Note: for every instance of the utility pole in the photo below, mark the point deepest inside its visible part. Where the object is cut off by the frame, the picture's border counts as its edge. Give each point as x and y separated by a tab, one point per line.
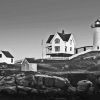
42	48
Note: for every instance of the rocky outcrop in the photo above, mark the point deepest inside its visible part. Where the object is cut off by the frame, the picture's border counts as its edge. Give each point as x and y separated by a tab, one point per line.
21	83
48	85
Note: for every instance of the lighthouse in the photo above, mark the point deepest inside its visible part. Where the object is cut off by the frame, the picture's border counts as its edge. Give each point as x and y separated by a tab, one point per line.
96	35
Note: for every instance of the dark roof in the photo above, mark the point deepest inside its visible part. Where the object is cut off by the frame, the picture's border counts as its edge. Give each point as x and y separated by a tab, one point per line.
30	60
7	54
50	38
65	37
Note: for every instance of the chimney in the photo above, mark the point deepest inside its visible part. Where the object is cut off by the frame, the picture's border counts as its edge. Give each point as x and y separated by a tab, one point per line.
63	32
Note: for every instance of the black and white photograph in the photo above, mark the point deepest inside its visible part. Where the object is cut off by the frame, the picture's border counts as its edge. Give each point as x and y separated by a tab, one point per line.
49	49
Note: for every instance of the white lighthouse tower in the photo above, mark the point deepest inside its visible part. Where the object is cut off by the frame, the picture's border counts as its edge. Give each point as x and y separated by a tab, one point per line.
96	35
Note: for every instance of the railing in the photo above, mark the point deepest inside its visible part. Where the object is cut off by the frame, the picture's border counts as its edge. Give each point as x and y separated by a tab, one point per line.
85	48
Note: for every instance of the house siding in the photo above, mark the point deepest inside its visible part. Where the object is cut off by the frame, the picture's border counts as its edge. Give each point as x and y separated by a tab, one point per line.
25	66
33	67
62	45
28	66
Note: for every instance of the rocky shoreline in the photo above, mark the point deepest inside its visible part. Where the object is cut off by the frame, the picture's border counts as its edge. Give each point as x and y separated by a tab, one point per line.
46	87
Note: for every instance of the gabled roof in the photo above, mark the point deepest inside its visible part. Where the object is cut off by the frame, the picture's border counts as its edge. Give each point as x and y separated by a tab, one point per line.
7	54
50	38
65	37
30	60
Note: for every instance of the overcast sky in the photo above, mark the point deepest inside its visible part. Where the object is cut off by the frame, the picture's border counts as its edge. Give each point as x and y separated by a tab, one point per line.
24	23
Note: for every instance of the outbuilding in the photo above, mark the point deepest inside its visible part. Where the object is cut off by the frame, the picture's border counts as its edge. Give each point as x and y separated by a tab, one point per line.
29	64
6	57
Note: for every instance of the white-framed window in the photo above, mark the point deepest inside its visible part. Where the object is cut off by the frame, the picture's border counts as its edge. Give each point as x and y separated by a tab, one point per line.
57	48
70	42
0	55
11	60
97	47
57	41
70	48
65	48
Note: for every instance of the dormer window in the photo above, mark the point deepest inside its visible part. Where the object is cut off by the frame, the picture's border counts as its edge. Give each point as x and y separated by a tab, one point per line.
57	41
70	42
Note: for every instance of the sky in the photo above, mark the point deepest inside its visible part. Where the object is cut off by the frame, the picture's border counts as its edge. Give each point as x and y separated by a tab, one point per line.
25	23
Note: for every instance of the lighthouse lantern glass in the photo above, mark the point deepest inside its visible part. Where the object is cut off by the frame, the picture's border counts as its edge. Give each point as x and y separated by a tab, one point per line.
97	22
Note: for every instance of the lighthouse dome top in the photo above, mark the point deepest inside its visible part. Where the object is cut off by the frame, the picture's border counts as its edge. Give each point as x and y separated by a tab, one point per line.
97	23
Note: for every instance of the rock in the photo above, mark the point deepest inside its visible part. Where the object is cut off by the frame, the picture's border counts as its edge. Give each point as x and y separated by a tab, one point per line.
1	77
91	90
9	80
27	81
34	90
30	80
2	81
61	82
8	89
49	81
23	90
71	89
84	85
39	80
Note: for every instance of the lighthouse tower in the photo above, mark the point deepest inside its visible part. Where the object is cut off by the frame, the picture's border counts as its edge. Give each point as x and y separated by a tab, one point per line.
96	35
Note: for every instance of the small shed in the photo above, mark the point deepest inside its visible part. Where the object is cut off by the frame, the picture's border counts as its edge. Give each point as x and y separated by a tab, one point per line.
29	64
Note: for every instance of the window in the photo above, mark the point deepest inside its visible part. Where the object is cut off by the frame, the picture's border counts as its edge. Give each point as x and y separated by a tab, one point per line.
65	48
57	48
0	55
70	48
70	42
11	60
57	40
50	48
97	47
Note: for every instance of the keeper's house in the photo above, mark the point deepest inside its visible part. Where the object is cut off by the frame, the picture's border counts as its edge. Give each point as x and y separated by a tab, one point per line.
60	45
6	57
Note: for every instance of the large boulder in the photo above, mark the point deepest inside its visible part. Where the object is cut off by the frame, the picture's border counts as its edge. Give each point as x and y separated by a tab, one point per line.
40	80
84	85
26	80
71	90
8	89
9	80
51	81
23	90
61	82
20	79
48	81
29	81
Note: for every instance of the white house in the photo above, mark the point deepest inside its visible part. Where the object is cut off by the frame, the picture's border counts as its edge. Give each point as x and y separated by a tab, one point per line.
29	64
6	57
60	45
